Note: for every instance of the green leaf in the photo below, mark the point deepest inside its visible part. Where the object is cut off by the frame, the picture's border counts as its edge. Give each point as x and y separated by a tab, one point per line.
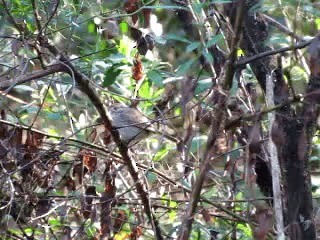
151	177
54	115
278	39
91	27
210	193
177	38
155	77
145	90
53	132
110	75
160	154
29	109
101	45
197	7
235	86
192	46
207	55
185	67
203	85
51	98
27	52
317	22
124	27
116	58
54	222
198	143
172	213
245	229
186	184
214	40
160	40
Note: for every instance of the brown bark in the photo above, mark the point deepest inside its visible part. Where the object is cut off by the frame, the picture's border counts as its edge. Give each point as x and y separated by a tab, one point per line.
294	129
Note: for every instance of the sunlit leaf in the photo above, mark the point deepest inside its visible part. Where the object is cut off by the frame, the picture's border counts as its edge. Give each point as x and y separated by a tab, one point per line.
54	222
172	213
240	52
246	229
91	27
160	154
145	90
124	27
53	132
317	22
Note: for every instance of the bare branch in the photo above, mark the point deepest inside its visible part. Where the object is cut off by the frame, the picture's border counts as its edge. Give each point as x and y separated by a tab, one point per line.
273	52
7	83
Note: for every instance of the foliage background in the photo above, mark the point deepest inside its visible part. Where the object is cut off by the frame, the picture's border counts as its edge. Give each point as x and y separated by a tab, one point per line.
61	178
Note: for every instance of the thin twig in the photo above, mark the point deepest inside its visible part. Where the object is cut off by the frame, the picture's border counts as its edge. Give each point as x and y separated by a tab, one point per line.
7	84
36	15
55	8
272	52
281	27
49	212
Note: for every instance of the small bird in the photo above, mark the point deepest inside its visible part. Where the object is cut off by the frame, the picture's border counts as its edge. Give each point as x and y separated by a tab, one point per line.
132	125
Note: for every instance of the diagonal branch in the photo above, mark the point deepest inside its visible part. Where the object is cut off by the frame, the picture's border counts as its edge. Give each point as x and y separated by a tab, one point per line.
218	124
7	83
273	52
